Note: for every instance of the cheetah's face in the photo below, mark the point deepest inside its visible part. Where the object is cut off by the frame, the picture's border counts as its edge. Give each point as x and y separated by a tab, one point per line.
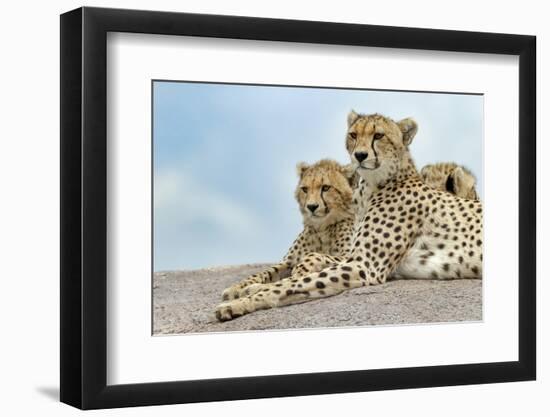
324	191
375	142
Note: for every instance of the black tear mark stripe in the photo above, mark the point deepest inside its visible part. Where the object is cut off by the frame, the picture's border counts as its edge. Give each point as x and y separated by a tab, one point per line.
374	149
324	202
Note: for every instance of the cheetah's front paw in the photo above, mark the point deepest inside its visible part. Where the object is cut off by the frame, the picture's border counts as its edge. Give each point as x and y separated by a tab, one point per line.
231	310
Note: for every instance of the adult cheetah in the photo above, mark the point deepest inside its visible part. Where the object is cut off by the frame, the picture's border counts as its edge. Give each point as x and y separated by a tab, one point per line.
407	227
324	194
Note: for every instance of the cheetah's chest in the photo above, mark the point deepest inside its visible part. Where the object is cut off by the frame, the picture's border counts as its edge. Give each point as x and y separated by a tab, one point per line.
326	242
332	241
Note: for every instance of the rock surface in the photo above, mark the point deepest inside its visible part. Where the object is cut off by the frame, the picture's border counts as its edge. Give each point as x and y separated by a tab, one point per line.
184	302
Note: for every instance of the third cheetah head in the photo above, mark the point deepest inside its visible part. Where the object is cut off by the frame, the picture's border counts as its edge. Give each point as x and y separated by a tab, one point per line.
450	177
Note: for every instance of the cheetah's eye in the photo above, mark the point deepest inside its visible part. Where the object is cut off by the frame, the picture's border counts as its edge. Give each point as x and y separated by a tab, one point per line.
353	135
304	189
325	188
378	136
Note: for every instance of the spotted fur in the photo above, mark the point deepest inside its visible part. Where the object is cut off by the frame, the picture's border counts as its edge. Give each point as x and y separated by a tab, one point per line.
407	227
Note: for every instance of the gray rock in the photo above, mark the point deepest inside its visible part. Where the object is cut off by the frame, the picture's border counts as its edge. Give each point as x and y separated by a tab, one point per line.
185	301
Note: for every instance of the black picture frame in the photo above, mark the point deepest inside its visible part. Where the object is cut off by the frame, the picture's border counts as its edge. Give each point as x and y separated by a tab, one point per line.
84	207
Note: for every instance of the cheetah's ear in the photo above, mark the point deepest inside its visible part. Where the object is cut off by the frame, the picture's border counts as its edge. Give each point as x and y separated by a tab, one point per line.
352	117
462	182
409	128
301	168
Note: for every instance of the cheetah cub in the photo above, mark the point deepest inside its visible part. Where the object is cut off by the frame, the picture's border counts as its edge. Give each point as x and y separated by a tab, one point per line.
407	227
450	177
323	194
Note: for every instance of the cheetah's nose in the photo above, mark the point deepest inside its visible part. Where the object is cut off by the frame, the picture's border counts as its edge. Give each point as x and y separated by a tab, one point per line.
361	156
313	207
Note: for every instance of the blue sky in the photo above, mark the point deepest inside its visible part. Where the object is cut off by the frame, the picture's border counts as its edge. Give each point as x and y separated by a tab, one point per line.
225	157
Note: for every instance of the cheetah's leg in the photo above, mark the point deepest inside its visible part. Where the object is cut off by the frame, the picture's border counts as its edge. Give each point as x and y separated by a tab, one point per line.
330	281
275	272
314	262
271	274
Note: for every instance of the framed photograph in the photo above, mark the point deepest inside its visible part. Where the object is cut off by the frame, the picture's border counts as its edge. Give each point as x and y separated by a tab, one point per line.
259	208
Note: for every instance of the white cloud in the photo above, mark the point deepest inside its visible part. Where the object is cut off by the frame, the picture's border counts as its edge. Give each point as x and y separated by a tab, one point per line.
180	199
